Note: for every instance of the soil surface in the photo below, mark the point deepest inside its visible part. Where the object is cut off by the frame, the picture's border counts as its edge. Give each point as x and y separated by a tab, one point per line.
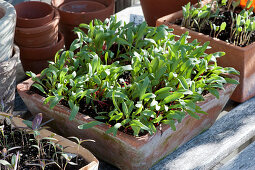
15	140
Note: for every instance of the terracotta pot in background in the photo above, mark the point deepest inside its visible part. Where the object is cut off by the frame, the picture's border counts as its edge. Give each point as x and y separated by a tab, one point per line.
69	146
41	36
154	9
36	59
123	150
7	28
32	14
97	9
241	58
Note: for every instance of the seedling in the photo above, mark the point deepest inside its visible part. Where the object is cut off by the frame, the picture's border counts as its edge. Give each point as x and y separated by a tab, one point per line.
133	78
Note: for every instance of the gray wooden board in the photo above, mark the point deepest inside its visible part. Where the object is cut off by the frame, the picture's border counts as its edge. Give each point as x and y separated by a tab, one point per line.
244	160
209	148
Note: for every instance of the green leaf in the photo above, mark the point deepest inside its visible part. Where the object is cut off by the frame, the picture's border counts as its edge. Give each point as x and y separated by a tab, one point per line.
231	81
171	123
141	30
158	119
193	114
101	117
74	110
122	41
27	123
114	129
116	117
164	90
114	101
39	87
136	129
174	96
149	113
139	124
97	79
144	87
183	82
214	92
89	125
148	95
125	108
5	163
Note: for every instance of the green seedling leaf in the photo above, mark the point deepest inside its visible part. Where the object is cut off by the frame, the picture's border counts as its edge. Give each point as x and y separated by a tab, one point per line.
183	82
137	123
74	110
163	90
223	26
174	96
231	81
149	113
5	163
214	92
113	129
193	114
148	96
171	123
39	87
27	123
89	125
248	4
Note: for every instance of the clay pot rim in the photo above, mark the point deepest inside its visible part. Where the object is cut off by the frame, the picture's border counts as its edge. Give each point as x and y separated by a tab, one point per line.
40	19
25	86
94	12
83	152
80	13
168	19
42	28
49	47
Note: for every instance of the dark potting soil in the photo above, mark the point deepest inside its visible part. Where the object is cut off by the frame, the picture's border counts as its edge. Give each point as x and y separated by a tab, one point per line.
224	16
16	140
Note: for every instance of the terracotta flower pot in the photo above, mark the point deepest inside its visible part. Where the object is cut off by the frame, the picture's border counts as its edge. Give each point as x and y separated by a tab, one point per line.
126	151
7	28
7	80
32	14
154	9
73	13
241	58
38	36
69	146
36	59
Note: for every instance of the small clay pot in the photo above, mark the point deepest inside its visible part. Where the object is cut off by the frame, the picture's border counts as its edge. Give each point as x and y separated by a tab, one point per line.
73	13
39	36
32	14
80	10
36	59
154	9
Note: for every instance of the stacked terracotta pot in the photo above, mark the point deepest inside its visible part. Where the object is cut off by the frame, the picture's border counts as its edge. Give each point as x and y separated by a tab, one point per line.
37	34
74	12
